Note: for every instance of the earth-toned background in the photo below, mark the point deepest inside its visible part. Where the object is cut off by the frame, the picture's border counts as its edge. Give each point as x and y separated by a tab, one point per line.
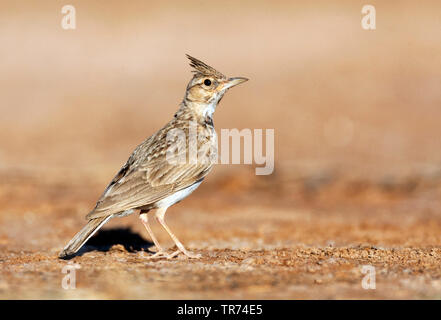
357	177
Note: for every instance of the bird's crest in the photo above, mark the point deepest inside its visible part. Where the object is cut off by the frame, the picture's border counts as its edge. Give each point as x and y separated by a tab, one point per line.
204	69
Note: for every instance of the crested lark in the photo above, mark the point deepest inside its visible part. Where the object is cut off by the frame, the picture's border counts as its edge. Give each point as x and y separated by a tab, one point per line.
149	180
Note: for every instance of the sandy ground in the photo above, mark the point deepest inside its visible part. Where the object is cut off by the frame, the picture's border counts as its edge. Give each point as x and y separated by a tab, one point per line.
357	177
294	241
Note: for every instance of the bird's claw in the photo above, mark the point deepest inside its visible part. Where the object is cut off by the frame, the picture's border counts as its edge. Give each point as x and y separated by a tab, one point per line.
191	255
163	254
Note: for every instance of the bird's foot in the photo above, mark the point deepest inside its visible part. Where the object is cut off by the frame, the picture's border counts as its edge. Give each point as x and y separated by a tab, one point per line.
162	254
188	254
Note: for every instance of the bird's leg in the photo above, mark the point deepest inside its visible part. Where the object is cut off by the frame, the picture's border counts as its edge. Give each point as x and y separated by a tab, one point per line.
160	213
160	252
145	221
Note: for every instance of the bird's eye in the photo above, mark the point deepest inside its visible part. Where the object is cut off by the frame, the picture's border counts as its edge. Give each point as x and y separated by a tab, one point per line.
207	82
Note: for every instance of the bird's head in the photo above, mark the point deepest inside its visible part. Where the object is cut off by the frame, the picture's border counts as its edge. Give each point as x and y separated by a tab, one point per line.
208	86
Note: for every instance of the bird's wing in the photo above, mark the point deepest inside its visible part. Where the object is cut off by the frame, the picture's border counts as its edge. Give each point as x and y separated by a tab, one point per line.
141	184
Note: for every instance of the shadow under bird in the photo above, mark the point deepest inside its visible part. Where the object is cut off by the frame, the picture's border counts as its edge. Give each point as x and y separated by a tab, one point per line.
149	180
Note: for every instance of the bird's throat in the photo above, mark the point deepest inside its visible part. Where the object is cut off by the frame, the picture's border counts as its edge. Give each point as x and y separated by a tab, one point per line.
201	110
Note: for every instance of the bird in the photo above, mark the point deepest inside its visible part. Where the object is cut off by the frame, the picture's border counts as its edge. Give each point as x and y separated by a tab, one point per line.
166	167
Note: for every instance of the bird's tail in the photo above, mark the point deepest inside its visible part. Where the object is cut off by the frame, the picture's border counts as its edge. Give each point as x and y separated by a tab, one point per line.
81	237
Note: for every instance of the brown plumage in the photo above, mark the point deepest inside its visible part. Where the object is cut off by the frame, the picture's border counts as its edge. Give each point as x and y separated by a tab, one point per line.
203	69
150	179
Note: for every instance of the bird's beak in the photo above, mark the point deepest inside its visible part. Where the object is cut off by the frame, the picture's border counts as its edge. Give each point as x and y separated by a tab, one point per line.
231	82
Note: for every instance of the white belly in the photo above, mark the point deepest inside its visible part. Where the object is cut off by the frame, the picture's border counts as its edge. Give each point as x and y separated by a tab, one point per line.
177	196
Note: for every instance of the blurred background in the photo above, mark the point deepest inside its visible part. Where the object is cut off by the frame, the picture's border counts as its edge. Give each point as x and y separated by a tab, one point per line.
356	115
335	94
